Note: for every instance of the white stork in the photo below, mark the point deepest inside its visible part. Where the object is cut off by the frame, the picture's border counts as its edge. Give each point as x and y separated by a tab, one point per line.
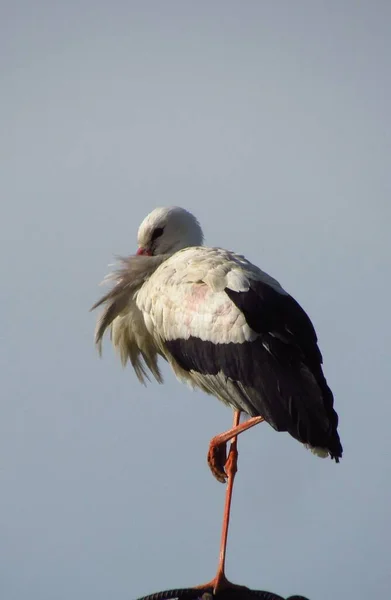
225	327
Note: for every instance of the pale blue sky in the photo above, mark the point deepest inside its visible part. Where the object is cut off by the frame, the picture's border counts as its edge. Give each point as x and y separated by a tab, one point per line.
270	120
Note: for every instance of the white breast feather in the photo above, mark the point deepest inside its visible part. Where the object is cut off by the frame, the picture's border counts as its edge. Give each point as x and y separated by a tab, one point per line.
185	297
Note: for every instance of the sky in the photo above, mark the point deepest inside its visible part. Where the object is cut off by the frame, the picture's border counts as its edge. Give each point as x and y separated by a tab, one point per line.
270	121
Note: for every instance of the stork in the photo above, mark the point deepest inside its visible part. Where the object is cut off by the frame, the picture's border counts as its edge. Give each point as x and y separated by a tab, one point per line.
226	327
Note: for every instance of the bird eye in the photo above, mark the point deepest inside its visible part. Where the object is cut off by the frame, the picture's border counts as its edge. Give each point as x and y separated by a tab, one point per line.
157	233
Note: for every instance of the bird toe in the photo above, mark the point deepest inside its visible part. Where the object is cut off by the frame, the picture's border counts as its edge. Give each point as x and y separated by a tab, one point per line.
217	457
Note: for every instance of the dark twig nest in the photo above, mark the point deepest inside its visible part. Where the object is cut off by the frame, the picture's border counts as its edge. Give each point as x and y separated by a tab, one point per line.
207	594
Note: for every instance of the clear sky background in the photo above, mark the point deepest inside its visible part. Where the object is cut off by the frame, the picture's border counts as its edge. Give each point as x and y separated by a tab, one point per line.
270	120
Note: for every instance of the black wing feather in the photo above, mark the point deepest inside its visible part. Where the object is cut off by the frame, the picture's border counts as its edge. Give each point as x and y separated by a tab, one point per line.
288	336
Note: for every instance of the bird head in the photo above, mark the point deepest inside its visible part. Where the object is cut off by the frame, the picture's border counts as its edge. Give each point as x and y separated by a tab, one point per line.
168	229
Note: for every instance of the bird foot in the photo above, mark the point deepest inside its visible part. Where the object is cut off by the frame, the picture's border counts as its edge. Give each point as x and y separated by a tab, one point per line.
219	584
217	454
221	466
217	458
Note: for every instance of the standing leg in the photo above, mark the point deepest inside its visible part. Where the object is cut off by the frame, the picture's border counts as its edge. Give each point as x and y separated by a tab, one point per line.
220	581
231	467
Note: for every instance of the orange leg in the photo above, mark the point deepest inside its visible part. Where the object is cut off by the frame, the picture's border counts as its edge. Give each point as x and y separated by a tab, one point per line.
231	466
217	447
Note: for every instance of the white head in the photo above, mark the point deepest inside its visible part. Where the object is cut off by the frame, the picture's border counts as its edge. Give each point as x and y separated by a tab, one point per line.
167	230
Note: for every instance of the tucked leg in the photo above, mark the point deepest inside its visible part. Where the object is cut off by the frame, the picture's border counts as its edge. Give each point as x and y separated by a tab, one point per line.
217	447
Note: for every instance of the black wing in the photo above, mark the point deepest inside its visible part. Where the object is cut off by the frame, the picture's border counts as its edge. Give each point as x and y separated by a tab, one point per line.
294	391
278	375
